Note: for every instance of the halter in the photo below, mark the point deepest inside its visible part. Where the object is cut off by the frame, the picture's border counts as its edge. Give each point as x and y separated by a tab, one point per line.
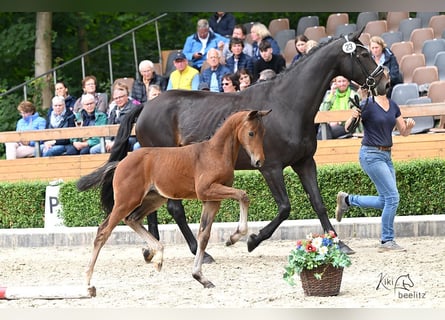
351	48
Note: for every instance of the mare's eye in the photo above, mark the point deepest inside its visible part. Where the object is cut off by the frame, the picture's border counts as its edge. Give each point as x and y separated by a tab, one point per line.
251	134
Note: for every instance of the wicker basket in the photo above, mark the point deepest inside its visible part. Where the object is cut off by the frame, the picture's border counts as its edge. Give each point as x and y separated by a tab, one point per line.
329	285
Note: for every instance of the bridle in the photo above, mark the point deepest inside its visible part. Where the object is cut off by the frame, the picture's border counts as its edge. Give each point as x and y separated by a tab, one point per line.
350	48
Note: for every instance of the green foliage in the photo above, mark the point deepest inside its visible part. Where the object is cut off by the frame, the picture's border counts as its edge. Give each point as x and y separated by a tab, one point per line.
22	205
420	184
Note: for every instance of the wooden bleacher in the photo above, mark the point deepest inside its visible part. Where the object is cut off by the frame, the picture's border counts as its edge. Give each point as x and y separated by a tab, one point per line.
418	146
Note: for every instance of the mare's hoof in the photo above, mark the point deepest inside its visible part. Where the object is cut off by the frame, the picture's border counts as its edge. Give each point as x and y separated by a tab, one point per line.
208	285
208	258
158	266
148	255
252	242
344	248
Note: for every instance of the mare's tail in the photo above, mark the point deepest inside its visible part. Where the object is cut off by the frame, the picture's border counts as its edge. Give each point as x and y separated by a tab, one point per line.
103	178
121	145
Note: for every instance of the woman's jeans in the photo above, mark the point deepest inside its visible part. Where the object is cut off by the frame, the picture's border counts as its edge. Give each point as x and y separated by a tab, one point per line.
379	167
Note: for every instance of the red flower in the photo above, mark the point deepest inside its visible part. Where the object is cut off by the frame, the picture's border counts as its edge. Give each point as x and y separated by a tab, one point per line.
332	234
310	248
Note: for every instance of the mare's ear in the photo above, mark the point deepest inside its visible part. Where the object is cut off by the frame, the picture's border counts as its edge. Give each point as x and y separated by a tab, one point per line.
264	112
357	34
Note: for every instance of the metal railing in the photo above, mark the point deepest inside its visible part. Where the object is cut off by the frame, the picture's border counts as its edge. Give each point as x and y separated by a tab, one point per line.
81	57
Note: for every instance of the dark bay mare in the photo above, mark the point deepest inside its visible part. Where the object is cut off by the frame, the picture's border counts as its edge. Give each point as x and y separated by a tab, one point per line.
148	177
178	118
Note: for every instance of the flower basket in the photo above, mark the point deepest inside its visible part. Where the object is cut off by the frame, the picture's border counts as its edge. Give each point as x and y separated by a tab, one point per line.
328	285
319	262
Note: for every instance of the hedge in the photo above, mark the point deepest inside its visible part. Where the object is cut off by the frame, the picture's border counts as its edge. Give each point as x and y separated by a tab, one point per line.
421	185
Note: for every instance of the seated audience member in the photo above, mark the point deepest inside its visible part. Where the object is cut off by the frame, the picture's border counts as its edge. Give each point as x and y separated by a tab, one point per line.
89	85
222	23
59	117
88	116
300	46
154	90
197	45
239	59
259	32
184	77
245	78
230	82
240	32
149	77
122	105
310	44
384	56
268	60
214	73
62	91
31	120
267	74
337	98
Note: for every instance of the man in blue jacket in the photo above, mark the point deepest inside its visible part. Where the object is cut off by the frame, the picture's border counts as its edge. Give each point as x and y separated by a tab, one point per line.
198	44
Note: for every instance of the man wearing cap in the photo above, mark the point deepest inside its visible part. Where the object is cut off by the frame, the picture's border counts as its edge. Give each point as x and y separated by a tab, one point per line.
198	44
184	77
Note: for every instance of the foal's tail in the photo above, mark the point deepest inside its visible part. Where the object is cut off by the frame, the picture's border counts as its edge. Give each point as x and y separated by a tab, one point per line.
103	178
121	145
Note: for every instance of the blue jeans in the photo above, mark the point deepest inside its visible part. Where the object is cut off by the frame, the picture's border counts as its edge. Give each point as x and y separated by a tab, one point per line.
379	167
55	150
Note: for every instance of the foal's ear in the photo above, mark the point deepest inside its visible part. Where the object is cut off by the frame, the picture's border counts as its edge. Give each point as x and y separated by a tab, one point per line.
258	113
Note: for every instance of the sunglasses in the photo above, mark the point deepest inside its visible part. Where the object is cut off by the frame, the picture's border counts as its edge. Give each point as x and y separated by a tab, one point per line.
226	83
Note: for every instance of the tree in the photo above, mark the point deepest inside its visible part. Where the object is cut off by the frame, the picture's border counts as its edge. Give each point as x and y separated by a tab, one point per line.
43	55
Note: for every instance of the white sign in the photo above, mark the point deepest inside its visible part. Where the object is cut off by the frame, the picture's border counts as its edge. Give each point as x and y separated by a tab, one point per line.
52	207
349	47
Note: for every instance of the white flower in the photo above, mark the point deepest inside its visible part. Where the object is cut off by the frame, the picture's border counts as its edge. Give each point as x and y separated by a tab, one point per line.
323	250
335	240
317	242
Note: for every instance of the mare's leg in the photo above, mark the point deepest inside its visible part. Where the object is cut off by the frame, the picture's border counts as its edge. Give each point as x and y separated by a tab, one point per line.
275	180
209	210
307	172
176	210
152	221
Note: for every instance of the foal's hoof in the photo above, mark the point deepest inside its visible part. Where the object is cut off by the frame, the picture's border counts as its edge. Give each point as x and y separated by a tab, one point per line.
209	285
344	248
158	266
252	242
148	255
207	258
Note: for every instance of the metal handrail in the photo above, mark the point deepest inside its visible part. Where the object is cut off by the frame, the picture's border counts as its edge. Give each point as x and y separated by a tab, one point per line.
82	56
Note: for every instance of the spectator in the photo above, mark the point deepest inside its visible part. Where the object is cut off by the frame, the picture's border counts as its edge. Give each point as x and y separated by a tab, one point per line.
154	90
31	120
310	44
214	73
266	74
203	86
245	79
268	60
122	105
222	23
149	77
230	82
379	118
62	91
338	98
197	45
258	33
238	60
240	32
383	56
59	117
184	77
88	116
300	46
89	85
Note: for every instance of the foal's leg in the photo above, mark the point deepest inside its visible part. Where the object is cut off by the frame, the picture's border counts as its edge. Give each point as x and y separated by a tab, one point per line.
103	233
209	210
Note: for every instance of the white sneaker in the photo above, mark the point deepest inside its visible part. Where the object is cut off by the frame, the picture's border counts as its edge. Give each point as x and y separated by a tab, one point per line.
390	245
